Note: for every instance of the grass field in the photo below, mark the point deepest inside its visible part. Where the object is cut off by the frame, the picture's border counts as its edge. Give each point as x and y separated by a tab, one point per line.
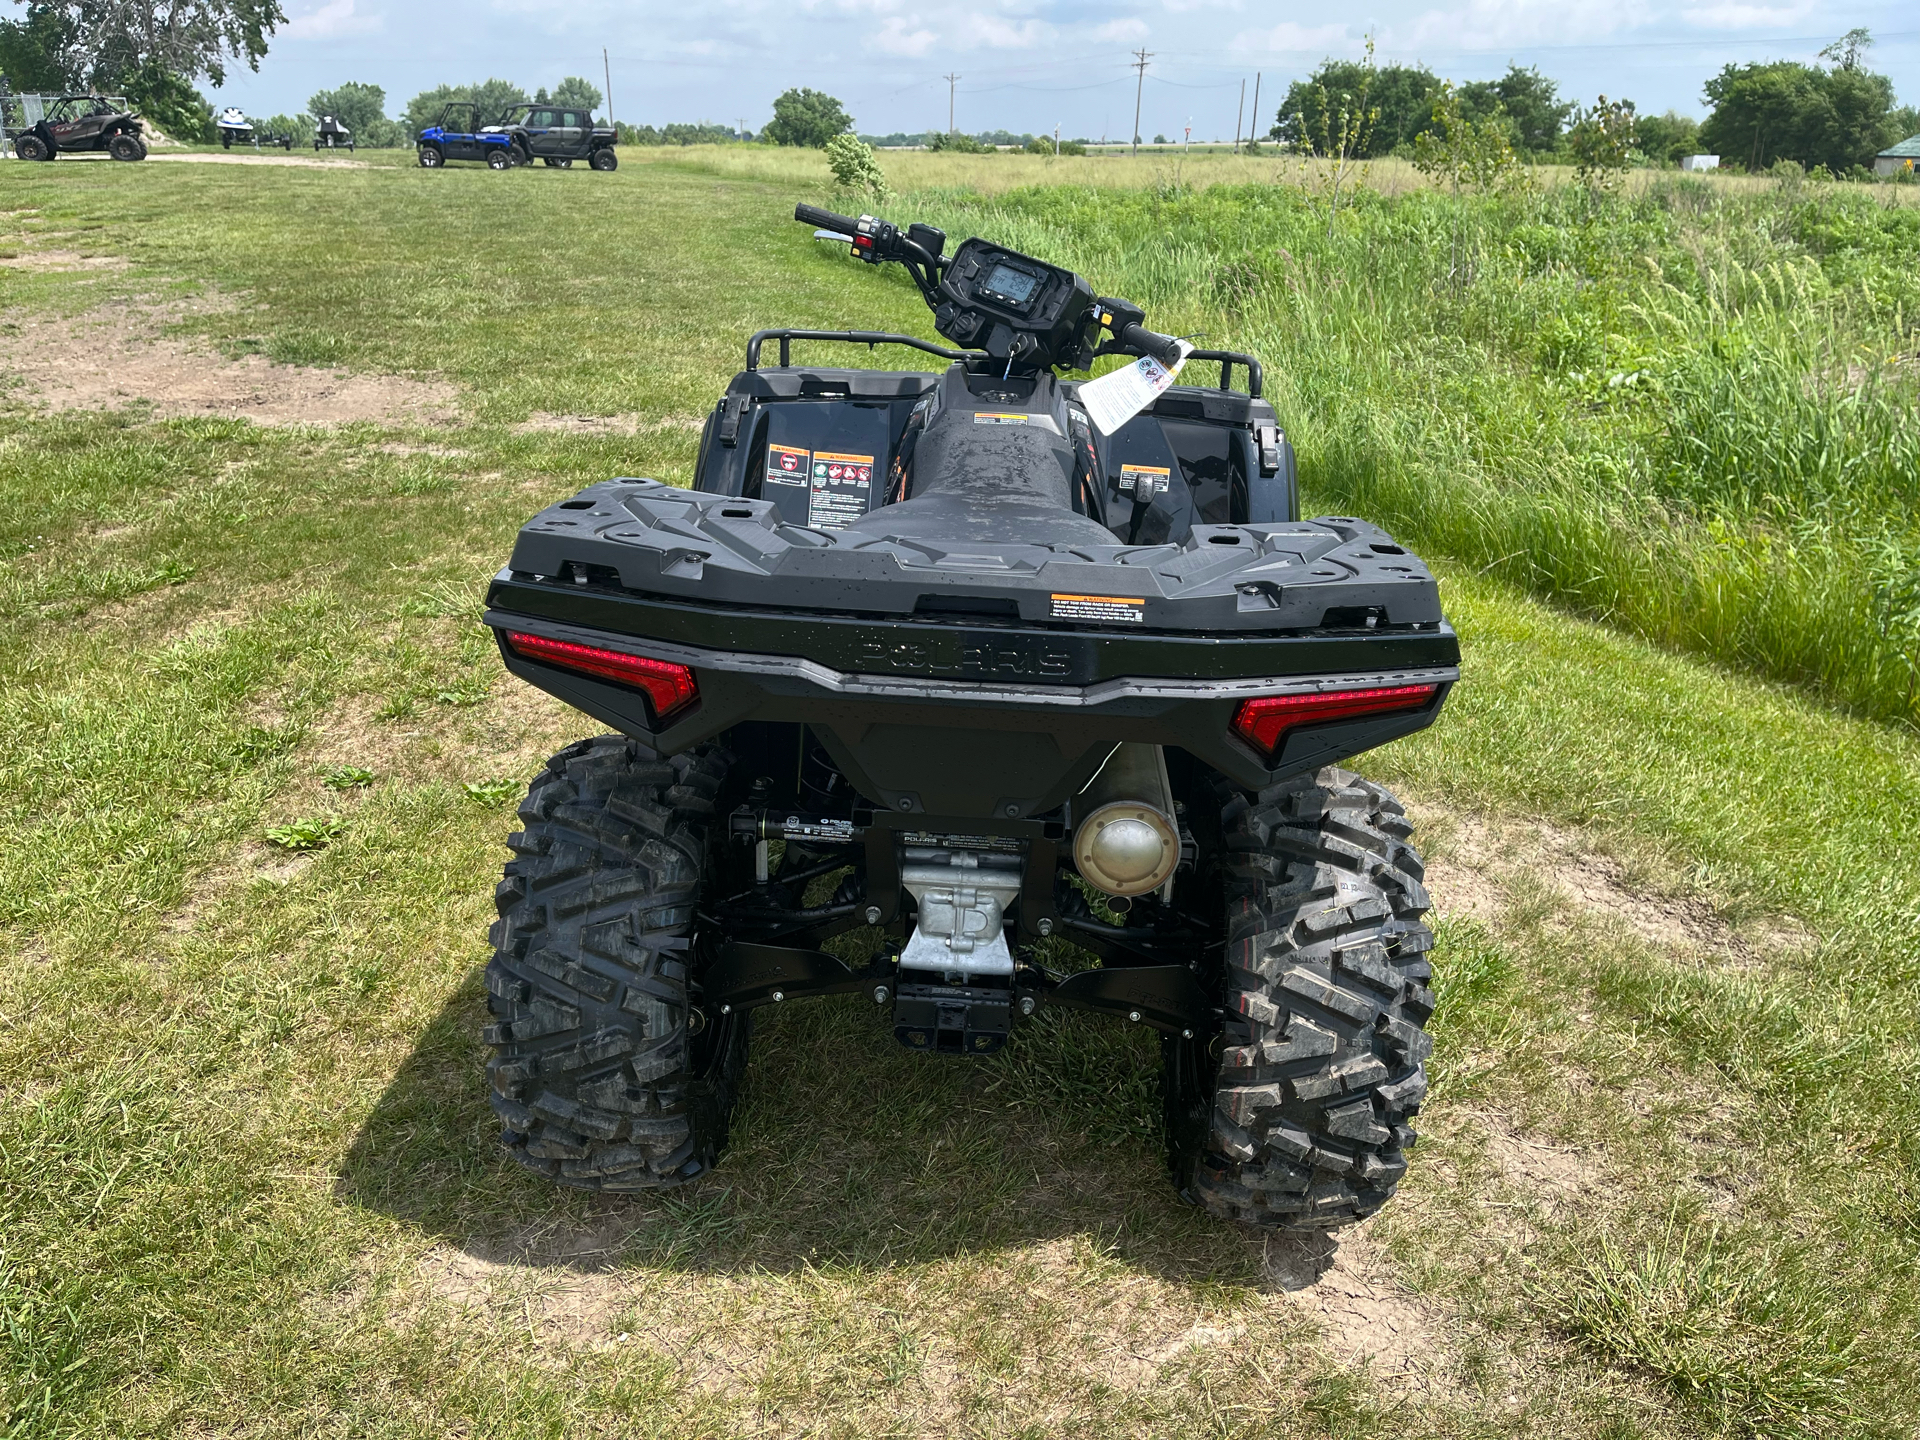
1669	1180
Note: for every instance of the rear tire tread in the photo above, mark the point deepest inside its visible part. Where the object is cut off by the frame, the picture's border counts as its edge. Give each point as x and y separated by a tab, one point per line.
1323	1051
593	1071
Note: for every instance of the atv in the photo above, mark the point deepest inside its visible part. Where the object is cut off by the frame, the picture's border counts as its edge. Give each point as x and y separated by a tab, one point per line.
43	126
1032	691
458	135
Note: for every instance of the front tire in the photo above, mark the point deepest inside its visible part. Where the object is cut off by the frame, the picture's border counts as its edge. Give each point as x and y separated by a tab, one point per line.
606	1073
431	158
1322	1056
604	160
126	147
499	159
32	147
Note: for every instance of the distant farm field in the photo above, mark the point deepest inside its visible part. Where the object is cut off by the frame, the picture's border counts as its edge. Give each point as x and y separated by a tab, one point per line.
265	430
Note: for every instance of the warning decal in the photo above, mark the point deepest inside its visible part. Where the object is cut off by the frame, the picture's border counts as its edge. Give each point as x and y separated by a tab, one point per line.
1143	482
840	490
998	417
1109	609
786	465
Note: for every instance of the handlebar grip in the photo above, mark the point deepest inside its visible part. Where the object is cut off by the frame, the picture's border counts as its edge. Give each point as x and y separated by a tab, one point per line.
1163	348
825	220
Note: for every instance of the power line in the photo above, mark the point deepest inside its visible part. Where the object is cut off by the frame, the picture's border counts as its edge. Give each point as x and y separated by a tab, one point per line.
1139	87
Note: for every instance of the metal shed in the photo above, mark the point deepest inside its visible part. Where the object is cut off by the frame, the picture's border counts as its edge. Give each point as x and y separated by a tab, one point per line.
1896	159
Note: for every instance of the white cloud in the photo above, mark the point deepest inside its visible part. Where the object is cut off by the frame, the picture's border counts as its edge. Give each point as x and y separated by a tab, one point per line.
1735	16
1492	24
336	17
1287	38
1128	29
896	39
998	34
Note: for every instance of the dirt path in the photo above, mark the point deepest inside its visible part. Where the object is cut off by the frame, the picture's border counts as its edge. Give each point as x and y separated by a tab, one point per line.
116	357
196	157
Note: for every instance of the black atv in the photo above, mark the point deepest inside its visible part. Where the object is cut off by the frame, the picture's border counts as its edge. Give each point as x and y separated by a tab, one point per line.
52	125
932	662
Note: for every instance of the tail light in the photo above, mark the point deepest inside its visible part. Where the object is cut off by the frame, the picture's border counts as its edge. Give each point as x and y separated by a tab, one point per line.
669	687
1265	723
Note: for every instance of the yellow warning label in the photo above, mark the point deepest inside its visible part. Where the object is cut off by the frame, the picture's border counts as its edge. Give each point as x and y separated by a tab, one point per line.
1107	609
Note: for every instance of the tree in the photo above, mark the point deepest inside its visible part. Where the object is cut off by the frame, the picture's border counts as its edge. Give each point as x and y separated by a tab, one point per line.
1783	110
1530	102
1463	153
490	96
573	93
1902	123
105	43
1664	139
1402	96
1602	143
171	103
807	117
362	108
1849	52
34	50
855	170
958	141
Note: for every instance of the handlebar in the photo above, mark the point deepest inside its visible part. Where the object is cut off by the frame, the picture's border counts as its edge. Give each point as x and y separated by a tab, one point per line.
825	220
1139	340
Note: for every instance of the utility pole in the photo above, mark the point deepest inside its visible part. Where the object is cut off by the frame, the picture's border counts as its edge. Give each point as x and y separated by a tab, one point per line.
1256	109
950	79
606	66
1139	85
1239	114
1056	142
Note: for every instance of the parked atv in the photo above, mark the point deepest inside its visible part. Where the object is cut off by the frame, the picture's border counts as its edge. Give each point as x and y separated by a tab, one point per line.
458	135
557	136
994	674
43	126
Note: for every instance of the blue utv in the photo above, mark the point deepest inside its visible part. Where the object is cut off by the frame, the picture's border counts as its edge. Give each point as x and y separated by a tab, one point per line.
458	135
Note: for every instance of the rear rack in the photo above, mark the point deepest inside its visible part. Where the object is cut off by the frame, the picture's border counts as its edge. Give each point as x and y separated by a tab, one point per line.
1226	359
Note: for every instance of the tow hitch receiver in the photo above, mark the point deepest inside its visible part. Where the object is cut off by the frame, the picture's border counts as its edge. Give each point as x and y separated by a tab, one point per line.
952	1019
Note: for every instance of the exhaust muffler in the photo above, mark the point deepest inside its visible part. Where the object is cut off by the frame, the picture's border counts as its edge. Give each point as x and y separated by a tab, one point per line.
1128	842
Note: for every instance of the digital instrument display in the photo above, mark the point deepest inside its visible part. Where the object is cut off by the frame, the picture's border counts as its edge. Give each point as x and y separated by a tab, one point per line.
1016	287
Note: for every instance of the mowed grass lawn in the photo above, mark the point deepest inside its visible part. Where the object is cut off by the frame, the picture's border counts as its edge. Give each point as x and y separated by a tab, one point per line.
1669	1183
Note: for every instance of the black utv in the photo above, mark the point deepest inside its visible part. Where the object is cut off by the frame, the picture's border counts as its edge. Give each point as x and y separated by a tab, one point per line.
52	125
558	136
1033	697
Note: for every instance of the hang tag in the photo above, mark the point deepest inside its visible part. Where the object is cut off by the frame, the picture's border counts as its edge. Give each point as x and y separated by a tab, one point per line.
1116	398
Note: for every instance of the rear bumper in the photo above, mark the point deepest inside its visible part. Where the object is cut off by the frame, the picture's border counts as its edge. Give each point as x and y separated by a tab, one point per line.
1000	722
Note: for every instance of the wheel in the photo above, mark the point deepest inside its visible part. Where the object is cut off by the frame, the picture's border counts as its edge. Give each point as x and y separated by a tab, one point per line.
125	147
499	159
226	140
1301	1120
604	159
605	1073
431	158
32	147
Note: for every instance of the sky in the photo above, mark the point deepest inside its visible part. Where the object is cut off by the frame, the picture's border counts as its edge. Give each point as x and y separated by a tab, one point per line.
1035	66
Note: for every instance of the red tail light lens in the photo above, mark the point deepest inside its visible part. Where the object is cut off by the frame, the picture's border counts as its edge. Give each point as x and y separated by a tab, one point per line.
1264	723
669	687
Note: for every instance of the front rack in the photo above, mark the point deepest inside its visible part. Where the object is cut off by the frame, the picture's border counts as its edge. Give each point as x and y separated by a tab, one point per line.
1226	359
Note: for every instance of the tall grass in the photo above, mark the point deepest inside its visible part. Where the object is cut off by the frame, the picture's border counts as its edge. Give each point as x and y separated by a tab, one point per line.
1689	410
